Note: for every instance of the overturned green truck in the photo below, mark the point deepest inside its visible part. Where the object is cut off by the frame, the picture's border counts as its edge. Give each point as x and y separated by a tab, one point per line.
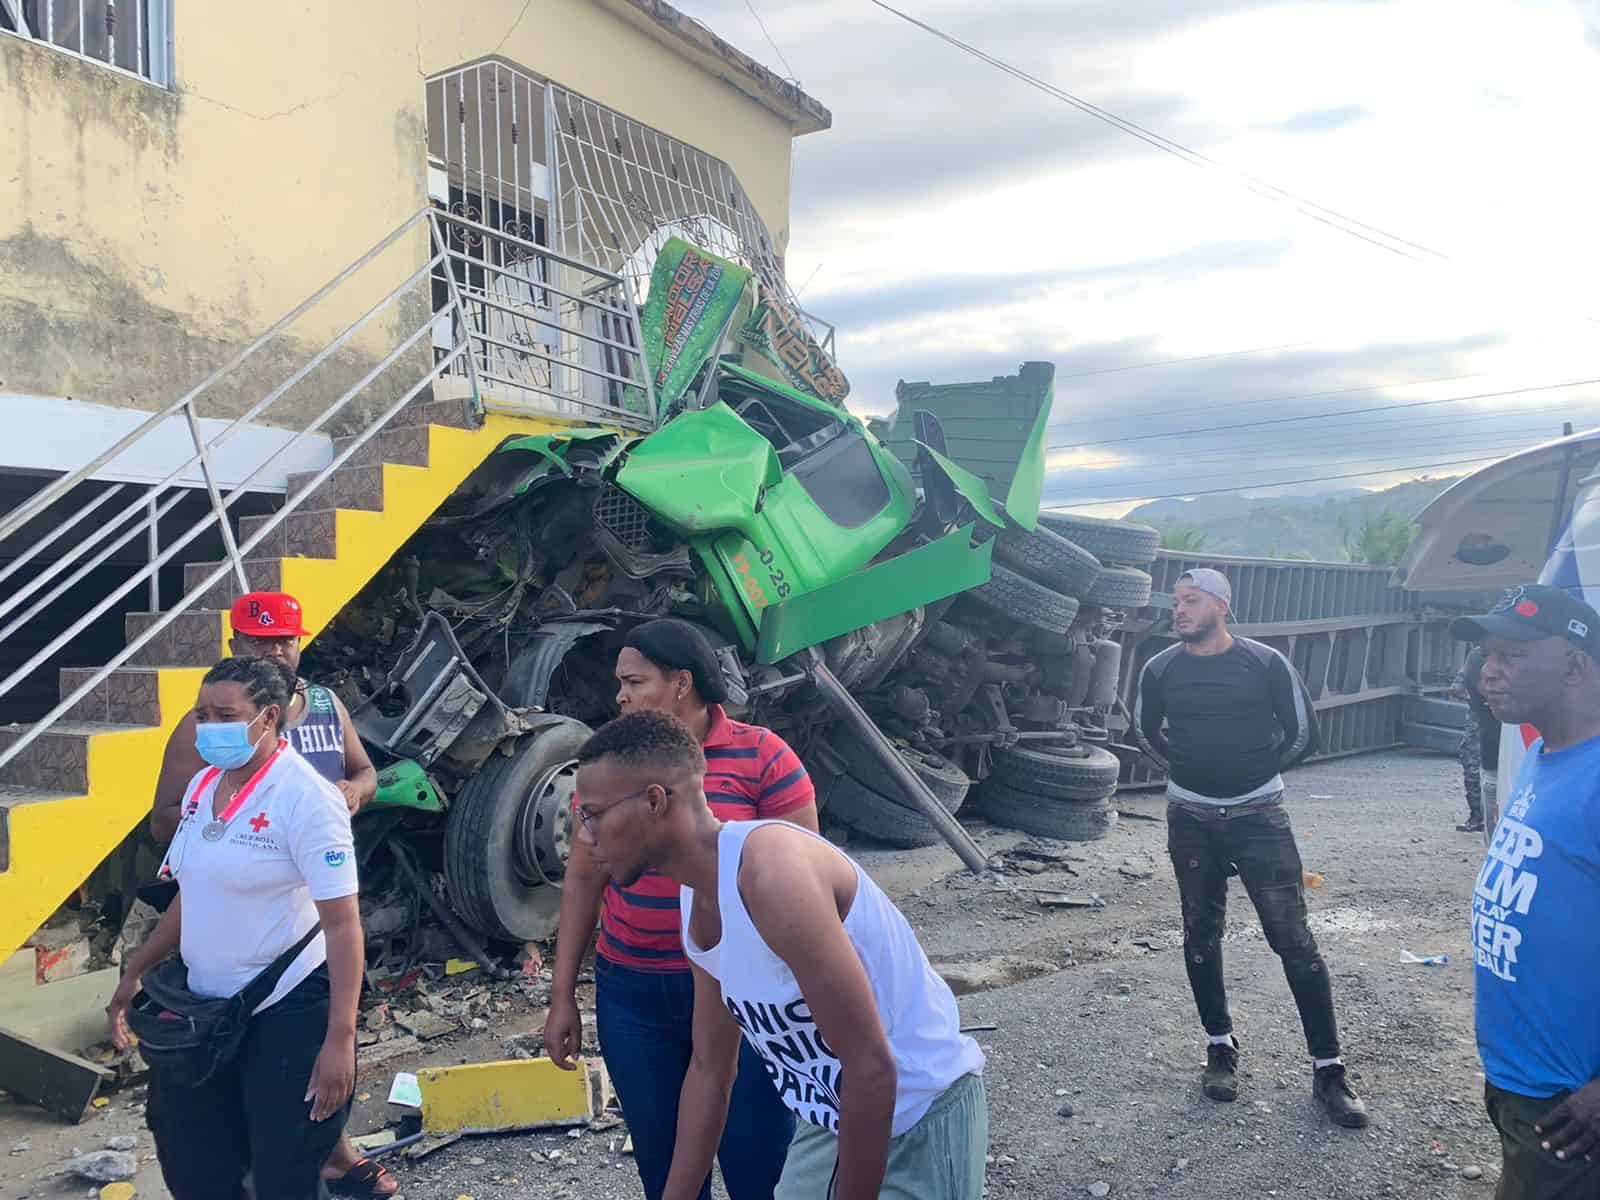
885	597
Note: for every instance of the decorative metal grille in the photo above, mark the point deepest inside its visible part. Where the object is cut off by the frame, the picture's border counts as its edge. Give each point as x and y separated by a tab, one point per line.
128	35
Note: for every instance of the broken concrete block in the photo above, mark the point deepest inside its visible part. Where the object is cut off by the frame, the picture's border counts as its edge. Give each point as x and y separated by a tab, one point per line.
105	1166
51	963
497	1097
424	1024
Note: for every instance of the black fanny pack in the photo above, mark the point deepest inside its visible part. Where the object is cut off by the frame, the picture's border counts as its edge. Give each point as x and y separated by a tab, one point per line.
187	1037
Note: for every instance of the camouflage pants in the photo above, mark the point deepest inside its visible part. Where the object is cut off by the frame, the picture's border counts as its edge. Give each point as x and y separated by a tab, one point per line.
1472	767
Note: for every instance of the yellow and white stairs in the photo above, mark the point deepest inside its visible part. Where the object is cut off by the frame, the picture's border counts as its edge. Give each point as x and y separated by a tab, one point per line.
73	795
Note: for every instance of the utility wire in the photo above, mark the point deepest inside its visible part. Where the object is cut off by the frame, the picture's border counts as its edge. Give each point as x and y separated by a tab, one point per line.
1272	483
1131	474
1502	443
1361	433
1318	212
1177	433
1168	362
765	33
1370	387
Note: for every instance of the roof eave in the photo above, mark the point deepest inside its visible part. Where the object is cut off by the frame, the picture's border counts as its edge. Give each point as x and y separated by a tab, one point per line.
683	34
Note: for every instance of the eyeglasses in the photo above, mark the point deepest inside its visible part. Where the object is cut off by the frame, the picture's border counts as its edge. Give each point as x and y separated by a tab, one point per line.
591	818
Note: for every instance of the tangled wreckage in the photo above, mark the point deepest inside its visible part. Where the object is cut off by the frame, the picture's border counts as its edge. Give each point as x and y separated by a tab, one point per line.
886	596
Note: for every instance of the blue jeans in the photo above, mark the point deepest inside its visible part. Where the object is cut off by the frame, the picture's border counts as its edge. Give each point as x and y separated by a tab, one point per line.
645	1020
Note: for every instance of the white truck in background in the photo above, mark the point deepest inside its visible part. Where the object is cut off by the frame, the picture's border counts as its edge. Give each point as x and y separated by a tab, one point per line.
1531	517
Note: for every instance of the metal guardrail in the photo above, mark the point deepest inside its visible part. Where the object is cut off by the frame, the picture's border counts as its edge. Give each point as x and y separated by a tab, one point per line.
1363	647
483	321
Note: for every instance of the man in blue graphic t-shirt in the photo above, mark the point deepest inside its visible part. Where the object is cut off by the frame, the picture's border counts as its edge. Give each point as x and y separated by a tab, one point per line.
1536	906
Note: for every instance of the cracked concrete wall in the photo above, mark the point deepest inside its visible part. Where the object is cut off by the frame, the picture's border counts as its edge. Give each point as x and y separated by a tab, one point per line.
148	234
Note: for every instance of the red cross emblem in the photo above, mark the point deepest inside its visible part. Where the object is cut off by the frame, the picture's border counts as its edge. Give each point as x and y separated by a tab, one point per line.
259	822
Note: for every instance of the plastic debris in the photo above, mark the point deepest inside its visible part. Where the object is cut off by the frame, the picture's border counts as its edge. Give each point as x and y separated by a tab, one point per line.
1431	960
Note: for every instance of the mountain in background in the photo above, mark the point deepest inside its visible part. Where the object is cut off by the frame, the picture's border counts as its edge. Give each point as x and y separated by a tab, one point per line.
1310	526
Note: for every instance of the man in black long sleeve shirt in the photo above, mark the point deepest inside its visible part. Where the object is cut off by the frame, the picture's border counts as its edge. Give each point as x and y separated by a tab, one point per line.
1224	716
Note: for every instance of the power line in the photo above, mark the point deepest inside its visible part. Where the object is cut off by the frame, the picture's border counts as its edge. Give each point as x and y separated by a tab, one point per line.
1371	387
1176	433
1502	442
1310	208
1132	474
1274	483
768	36
1362	432
1168	362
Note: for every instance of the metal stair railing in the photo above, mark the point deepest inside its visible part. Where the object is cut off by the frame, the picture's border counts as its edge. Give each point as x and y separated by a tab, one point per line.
472	309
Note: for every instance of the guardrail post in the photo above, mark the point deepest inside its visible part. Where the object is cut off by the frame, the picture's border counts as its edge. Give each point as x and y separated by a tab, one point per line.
153	543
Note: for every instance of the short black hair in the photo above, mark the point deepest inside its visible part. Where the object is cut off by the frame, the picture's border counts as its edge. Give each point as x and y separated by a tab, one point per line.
675	645
646	739
266	681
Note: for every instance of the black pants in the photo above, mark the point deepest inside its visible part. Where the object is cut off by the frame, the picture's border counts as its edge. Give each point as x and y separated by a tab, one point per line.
252	1116
1527	1170
1205	847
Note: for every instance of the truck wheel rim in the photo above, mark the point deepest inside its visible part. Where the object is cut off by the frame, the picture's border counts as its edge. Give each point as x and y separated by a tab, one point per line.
544	826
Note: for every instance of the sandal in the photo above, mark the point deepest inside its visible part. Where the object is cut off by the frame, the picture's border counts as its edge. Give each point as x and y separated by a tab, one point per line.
362	1180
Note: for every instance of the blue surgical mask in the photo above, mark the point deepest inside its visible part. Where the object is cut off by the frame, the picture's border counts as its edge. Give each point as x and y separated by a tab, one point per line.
225	744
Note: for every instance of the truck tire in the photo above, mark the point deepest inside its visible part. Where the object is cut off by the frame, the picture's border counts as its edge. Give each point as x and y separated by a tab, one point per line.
1120	587
1082	773
494	836
1026	602
865	811
1048	557
1124	543
1044	816
948	782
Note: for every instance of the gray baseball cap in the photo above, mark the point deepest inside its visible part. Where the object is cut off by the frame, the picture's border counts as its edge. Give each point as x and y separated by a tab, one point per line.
1209	580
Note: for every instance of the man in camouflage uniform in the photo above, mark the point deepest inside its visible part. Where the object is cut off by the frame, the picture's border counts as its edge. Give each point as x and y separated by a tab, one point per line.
1480	743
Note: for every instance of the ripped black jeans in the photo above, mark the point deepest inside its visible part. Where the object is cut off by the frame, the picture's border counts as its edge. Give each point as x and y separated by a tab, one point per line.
1205	846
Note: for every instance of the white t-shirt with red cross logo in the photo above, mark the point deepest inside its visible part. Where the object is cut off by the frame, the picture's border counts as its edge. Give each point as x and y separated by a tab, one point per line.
250	895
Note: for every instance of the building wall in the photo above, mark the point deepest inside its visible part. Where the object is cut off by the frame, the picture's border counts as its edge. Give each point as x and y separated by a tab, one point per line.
149	233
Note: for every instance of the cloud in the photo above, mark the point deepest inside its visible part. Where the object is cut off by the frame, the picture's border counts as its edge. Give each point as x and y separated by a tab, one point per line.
1324	120
859	310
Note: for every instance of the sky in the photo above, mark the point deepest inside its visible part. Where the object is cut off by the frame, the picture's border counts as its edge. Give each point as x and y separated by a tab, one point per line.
956	222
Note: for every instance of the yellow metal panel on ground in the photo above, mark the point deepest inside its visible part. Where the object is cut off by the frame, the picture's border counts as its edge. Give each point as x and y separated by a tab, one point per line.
495	1097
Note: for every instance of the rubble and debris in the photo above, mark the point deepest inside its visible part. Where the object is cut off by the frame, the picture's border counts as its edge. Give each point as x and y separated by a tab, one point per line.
104	1166
459	966
368	1142
1428	960
1062	900
425	1025
404	1090
123	1141
117	1191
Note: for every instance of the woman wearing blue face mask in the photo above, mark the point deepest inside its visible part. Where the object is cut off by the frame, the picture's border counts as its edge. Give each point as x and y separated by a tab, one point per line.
262	855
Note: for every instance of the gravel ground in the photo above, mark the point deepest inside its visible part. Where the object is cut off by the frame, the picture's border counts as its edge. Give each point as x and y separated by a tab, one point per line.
1088	1018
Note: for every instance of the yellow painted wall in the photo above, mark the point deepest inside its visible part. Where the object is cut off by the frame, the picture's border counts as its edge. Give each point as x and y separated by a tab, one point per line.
146	233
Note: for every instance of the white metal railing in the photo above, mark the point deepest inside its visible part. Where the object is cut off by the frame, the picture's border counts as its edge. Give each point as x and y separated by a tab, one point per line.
604	381
131	36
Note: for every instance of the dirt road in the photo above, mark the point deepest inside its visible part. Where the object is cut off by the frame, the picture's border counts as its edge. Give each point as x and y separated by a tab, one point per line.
1088	1017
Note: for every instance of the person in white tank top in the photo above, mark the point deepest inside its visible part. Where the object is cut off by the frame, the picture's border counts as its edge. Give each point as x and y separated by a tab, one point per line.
795	949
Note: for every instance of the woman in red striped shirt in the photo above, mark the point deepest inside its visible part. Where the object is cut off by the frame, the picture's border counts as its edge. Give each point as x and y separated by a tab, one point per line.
644	993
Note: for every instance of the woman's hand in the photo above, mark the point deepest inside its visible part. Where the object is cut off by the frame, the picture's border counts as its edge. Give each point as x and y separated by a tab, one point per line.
333	1077
117	1012
563	1032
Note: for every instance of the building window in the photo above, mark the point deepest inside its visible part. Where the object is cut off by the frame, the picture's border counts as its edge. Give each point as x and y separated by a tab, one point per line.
130	35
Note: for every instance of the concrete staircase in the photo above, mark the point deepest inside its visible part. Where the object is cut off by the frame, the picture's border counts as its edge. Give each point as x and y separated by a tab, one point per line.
70	798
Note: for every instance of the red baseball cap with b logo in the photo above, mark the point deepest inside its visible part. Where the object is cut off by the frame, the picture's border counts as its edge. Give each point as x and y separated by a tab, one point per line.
267	614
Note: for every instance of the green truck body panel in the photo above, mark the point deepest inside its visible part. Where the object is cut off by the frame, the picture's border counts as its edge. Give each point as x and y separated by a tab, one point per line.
404	784
930	572
997	430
